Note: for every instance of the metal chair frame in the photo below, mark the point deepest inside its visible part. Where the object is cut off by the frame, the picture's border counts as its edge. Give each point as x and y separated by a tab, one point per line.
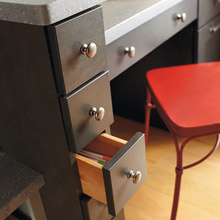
179	153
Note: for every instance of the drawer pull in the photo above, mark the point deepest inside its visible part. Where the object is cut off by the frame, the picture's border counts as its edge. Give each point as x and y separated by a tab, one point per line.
181	16
213	29
99	113
135	176
90	50
130	51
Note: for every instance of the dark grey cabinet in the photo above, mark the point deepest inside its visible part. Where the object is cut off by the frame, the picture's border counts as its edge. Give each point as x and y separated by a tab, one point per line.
208	32
51	87
207	10
209	41
83	85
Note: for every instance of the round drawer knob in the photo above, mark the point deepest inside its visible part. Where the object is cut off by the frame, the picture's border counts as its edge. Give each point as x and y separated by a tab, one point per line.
99	113
214	29
90	50
130	51
181	16
135	176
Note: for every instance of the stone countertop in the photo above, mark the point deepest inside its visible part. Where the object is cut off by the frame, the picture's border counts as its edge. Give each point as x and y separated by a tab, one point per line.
42	12
17	184
122	16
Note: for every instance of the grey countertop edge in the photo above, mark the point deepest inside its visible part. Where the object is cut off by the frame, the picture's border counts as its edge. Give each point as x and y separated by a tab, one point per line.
119	29
18	183
44	14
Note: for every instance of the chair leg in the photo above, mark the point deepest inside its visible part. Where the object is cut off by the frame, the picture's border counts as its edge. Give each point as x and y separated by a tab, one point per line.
179	173
180	168
148	108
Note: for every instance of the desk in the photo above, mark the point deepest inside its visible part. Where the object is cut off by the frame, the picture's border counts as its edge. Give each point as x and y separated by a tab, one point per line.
35	57
144	27
160	40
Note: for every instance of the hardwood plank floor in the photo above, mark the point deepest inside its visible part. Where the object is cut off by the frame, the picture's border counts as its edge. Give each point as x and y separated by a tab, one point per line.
200	190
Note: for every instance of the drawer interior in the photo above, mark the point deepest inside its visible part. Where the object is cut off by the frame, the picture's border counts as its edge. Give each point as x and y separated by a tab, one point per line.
112	145
90	171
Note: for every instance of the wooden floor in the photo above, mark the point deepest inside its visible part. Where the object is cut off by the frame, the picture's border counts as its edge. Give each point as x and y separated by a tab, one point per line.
200	190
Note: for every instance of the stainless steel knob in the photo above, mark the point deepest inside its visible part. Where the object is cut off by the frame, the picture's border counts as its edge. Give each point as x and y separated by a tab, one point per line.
135	176
130	51
181	16
90	50
214	29
99	113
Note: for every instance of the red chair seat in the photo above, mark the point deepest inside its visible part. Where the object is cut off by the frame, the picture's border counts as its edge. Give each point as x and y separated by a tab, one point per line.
188	97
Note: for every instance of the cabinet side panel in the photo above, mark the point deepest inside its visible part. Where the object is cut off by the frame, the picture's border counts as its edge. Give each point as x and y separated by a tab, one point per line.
31	127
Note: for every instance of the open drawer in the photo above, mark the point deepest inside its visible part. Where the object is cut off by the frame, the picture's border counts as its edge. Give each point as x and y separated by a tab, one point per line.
110	183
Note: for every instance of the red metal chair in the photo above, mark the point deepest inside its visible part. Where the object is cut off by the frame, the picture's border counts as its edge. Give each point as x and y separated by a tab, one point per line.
188	100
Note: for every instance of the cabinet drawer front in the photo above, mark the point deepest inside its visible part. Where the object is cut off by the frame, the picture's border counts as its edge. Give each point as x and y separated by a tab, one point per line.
209	42
72	68
82	128
109	183
93	209
208	9
149	36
